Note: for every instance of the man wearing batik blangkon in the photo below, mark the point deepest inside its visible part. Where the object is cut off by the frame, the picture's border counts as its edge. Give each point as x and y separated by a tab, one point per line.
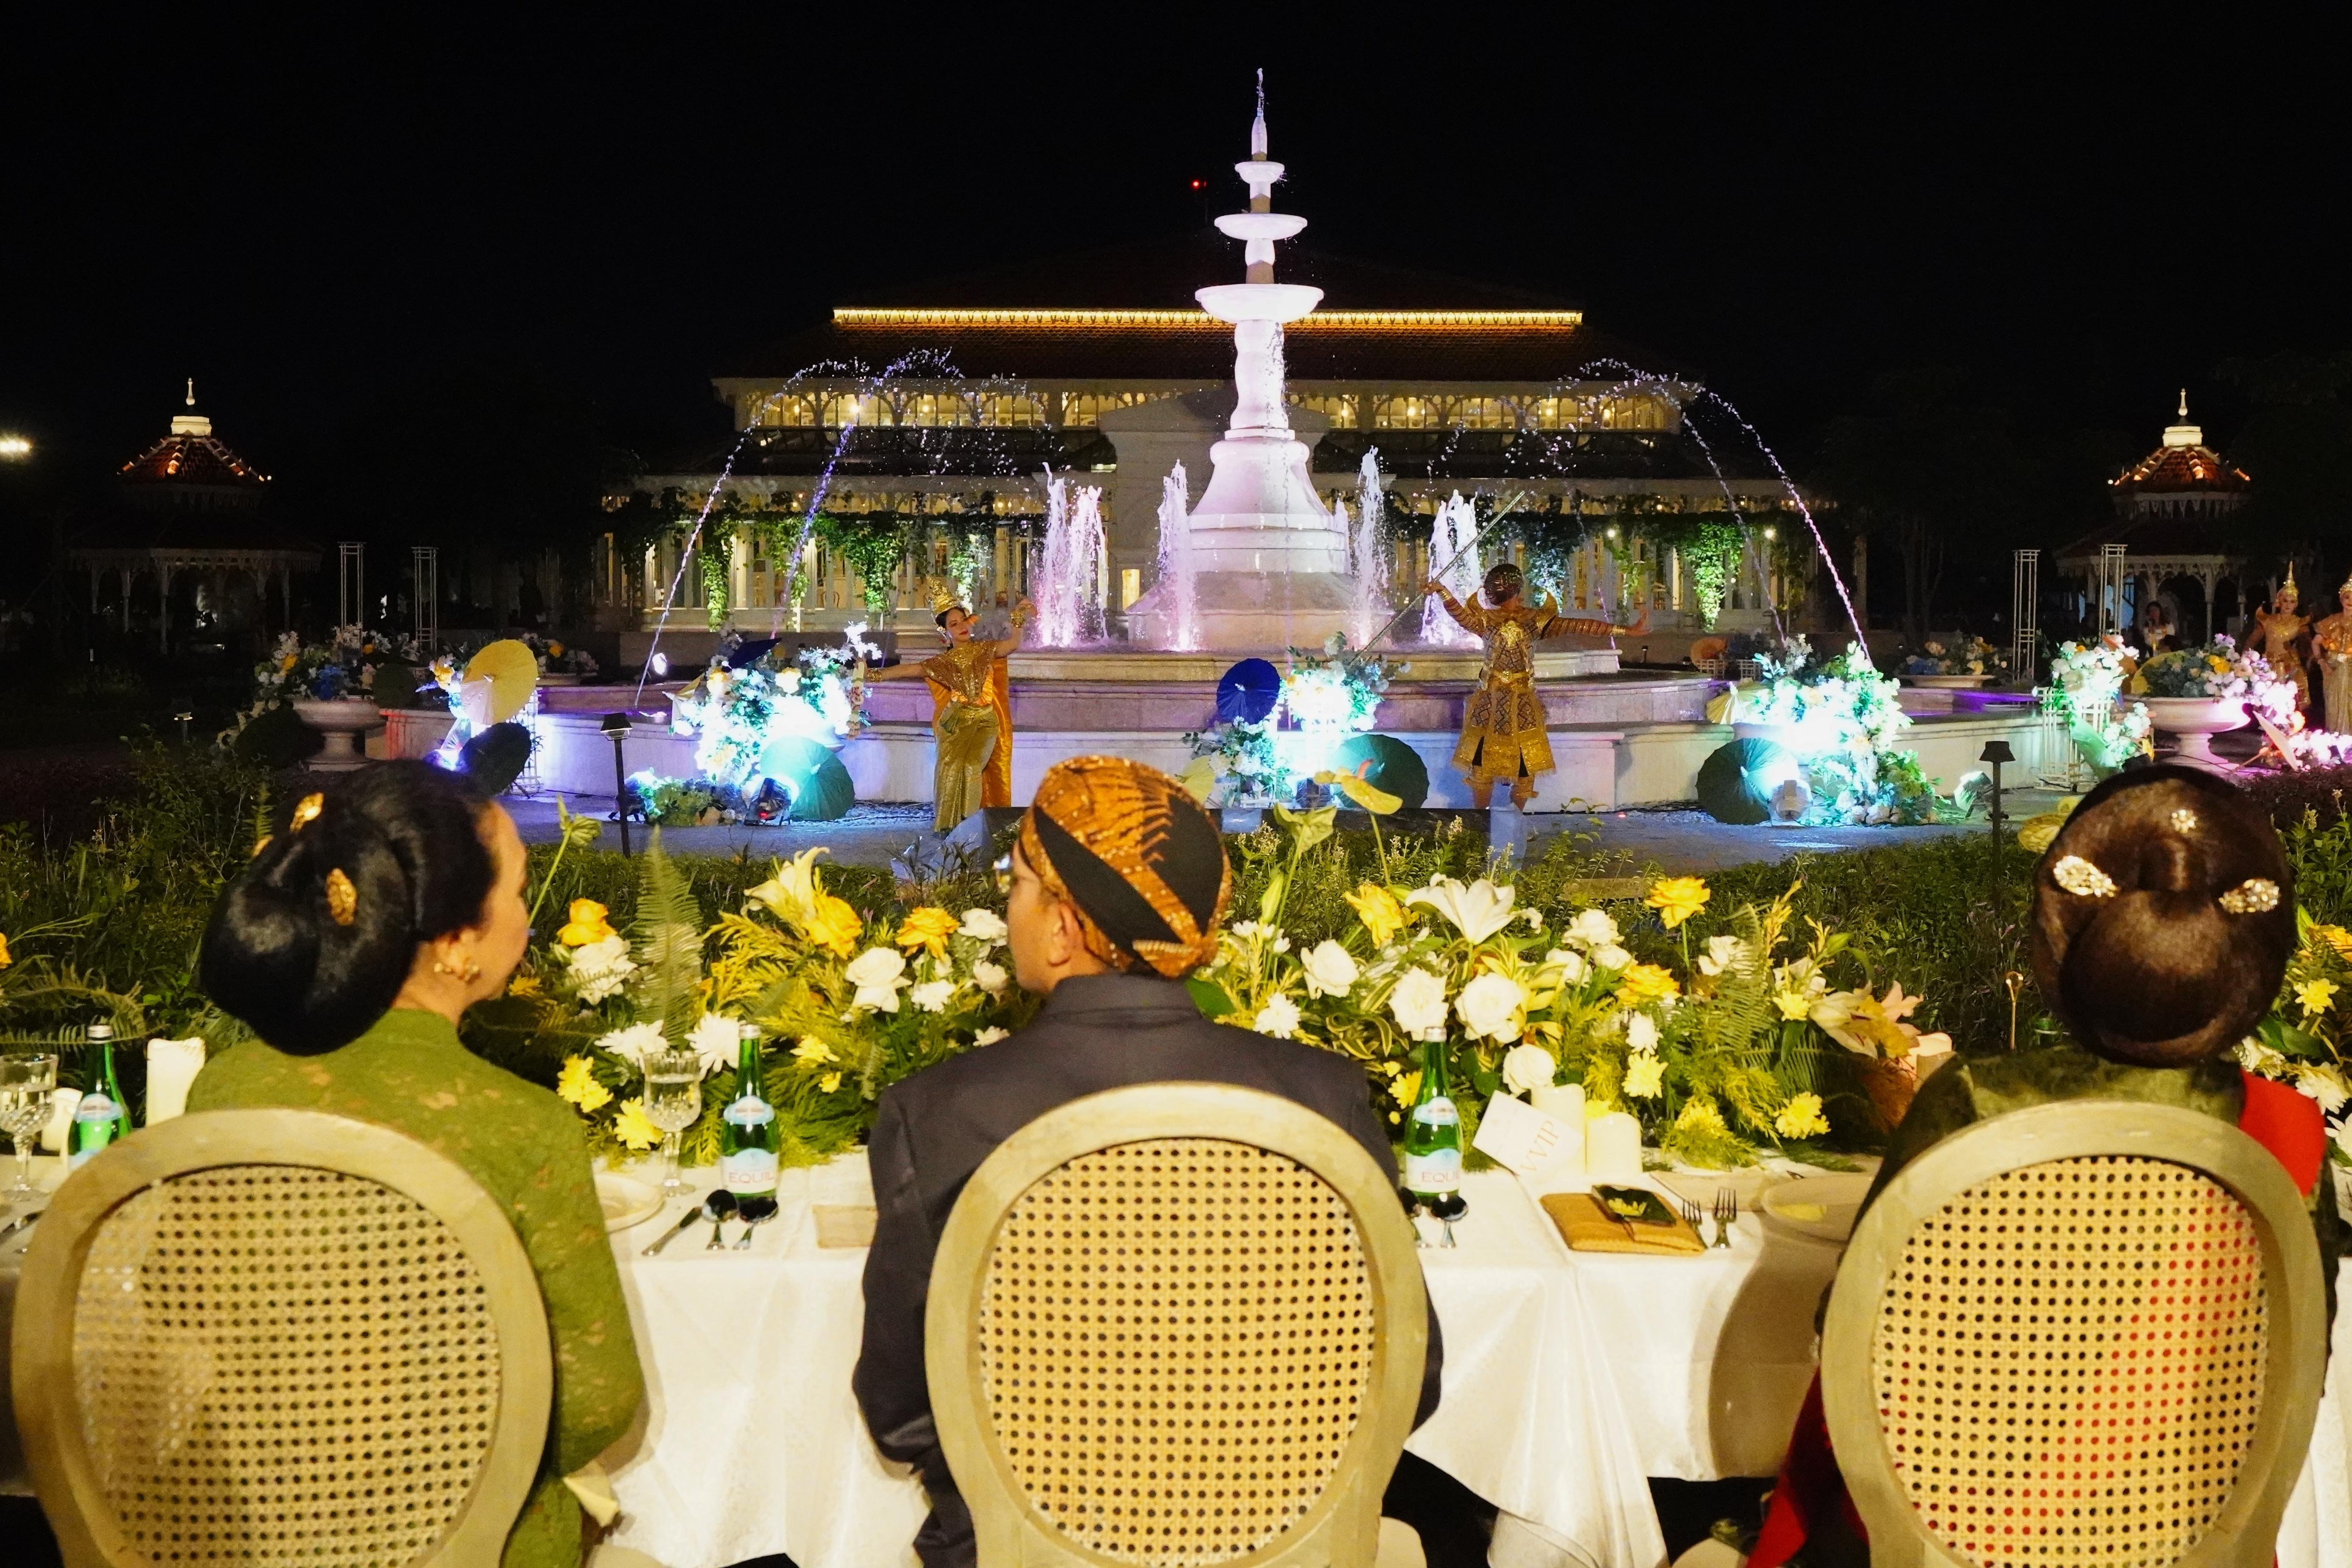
1503	727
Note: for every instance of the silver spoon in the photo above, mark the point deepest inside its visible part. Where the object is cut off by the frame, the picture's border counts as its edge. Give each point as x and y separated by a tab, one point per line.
721	1207
756	1213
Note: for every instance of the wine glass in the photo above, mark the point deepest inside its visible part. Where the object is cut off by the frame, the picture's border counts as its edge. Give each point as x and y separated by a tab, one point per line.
673	1101
26	1085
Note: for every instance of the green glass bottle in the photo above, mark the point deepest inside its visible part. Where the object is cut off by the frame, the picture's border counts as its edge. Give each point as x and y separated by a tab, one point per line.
1432	1134
747	1134
101	1035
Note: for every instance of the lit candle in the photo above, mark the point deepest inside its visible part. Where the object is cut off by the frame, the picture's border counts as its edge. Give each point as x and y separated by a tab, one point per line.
1613	1147
171	1065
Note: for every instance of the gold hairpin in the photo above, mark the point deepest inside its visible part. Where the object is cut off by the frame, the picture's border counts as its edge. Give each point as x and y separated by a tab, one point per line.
2254	896
2184	821
306	811
2082	878
342	898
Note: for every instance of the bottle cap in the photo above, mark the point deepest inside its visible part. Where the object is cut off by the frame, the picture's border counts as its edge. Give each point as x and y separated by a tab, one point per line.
747	1031
101	1031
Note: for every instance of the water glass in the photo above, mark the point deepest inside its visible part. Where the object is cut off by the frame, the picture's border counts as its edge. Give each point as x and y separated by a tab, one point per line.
26	1083
672	1102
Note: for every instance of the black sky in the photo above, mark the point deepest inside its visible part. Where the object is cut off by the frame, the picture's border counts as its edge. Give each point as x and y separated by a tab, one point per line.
2081	209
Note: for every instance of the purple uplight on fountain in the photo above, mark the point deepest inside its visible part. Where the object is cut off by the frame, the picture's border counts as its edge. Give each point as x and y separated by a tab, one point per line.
1067	589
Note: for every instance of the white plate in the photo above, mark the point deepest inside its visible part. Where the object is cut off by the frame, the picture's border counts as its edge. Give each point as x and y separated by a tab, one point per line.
1823	1207
627	1200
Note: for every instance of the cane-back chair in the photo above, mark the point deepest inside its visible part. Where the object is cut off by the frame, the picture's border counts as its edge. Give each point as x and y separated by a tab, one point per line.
2081	1335
279	1336
1177	1323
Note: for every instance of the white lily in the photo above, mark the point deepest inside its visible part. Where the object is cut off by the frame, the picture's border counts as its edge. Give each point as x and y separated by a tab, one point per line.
1477	911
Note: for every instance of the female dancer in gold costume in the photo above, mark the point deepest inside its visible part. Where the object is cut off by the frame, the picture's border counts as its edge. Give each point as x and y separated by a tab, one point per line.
1503	726
2333	639
2282	636
968	721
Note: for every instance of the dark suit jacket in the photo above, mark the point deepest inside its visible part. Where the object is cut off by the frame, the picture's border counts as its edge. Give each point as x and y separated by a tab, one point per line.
933	1129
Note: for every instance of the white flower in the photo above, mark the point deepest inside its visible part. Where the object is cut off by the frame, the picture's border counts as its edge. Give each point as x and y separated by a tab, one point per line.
600	969
1610	957
1477	911
1722	952
989	1036
1593	929
1527	1069
1641	1032
878	973
1571	965
1279	1017
1532	918
932	995
1490	1007
989	977
716	1039
2344	1136
1330	972
2324	1084
982	925
632	1044
1418	1003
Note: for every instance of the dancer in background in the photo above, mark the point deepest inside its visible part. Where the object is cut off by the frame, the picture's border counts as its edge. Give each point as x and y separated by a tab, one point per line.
2282	635
972	718
2332	640
1503	726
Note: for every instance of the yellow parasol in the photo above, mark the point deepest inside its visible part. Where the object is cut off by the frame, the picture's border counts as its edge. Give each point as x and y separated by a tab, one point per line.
497	682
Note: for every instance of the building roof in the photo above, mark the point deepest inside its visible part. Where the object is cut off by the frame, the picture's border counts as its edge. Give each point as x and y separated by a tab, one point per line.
1127	313
192	456
2183	464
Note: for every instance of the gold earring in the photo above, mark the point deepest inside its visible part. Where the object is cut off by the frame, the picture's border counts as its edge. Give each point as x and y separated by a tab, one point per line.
471	973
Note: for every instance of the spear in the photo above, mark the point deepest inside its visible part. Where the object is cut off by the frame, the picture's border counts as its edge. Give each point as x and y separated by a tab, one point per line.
1493	522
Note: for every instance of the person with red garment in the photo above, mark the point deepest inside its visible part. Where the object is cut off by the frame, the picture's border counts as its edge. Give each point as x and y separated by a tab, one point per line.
2163	918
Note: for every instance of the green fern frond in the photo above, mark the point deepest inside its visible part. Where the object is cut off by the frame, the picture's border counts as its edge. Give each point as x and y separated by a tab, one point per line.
666	933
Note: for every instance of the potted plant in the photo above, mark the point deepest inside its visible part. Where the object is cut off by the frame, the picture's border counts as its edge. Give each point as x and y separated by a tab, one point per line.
2196	693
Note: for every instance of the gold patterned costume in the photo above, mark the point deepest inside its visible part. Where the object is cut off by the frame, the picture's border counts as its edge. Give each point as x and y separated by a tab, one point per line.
2282	636
1503	725
967	724
2333	641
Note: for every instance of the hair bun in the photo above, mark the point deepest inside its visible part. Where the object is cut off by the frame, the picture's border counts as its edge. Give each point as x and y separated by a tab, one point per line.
2134	943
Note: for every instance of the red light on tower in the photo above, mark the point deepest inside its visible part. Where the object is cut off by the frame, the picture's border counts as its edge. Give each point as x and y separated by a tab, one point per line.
1199	184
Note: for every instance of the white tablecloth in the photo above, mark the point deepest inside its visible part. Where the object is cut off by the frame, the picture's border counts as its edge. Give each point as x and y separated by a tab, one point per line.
1569	1379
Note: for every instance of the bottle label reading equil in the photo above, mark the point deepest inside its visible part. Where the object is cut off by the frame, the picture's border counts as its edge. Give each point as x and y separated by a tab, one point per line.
749	1112
748	1171
1439	1171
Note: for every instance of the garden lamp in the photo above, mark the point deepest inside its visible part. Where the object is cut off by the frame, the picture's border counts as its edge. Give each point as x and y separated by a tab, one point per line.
616	727
1997	752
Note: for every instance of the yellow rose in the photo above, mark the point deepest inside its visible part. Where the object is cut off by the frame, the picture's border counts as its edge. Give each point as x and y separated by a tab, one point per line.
928	927
833	923
2316	997
1676	898
631	1127
1379	910
577	1083
588	924
1645	983
1802	1118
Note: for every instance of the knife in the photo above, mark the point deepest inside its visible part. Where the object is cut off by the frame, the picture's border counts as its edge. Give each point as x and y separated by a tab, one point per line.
673	1232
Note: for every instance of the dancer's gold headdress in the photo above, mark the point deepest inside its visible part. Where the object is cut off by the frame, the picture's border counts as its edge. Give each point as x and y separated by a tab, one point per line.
2288	586
942	602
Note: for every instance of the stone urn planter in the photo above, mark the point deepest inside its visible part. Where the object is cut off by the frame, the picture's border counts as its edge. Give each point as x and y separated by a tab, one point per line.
2193	721
341	722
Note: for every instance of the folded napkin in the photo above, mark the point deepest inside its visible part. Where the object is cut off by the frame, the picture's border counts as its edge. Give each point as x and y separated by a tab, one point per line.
1586	1226
845	1225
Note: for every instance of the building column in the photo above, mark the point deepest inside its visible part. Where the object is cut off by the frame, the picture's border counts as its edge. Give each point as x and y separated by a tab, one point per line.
163	607
126	598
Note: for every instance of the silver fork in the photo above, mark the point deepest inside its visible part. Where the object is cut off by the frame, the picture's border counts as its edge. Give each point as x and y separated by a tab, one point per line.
1694	1218
1727	1214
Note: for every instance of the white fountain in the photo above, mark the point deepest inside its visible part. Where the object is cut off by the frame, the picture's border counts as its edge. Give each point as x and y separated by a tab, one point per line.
1270	569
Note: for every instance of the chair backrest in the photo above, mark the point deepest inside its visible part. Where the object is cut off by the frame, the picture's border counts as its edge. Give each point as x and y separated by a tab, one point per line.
1176	1323
2088	1333
275	1337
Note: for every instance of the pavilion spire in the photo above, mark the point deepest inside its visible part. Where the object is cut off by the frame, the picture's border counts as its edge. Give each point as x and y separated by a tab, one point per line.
192	392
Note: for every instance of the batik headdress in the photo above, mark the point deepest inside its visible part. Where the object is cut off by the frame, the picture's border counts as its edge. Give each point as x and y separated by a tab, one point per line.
1131	849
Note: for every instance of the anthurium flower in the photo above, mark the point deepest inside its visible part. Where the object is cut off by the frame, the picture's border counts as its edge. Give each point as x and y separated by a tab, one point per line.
1643	982
1361	791
577	1083
1477	911
1378	907
1676	898
928	927
589	923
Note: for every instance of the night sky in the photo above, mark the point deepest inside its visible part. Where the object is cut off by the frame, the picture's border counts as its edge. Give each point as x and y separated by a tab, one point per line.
2081	223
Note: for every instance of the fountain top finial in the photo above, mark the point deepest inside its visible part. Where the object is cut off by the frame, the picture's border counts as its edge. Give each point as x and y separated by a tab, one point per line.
1257	126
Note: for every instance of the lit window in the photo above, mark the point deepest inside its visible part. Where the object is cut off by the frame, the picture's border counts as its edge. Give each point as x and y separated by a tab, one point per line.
1341	410
1130	585
1485	414
1411	414
934	408
842	409
1010	409
1085	408
785	410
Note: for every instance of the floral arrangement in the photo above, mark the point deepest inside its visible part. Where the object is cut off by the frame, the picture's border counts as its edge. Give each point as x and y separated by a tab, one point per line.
2302	1041
342	666
736	713
1845	723
1337	691
2086	681
1969	655
2217	671
556	658
667	802
1245	760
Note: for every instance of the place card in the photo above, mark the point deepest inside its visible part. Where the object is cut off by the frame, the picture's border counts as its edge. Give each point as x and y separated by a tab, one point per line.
844	1225
1546	1154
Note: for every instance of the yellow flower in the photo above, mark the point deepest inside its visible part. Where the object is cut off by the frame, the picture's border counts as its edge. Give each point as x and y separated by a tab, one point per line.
811	1050
1645	983
523	986
1379	910
5	960
833	923
1676	898
286	664
928	927
2316	997
577	1083
1644	1075
1793	1004
1802	1118
1406	1088
588	924
1700	1112
829	1082
2219	665
556	650
2335	937
630	1126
